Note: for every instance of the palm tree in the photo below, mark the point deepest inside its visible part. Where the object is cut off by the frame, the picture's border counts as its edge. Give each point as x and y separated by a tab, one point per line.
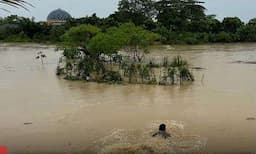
16	3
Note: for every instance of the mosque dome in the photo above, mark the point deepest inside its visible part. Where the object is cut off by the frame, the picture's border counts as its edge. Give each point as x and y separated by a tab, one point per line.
58	15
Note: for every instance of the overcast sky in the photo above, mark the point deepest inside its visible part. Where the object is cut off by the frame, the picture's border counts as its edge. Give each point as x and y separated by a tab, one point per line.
244	9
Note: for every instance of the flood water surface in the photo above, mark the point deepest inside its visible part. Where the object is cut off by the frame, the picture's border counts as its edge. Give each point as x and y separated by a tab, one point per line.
41	113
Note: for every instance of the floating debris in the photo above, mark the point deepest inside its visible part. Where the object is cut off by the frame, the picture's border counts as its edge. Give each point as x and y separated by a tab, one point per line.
250	118
198	68
28	123
244	62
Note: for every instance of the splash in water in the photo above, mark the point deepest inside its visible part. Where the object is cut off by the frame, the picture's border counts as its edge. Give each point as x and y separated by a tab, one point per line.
141	141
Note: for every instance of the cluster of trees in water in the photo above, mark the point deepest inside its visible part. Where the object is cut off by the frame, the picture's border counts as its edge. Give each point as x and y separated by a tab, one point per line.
175	21
93	55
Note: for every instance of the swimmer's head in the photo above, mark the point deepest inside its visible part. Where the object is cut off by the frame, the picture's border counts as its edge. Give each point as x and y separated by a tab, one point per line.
162	127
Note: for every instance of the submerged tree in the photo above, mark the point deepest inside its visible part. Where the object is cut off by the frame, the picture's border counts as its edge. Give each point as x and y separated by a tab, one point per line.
136	40
104	43
132	39
105	63
79	36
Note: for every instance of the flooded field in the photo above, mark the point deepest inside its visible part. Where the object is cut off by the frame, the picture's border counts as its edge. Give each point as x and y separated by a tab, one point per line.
41	113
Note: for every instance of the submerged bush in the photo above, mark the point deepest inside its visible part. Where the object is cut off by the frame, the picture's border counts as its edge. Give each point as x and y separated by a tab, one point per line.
178	61
71	53
180	68
165	62
144	72
96	58
85	67
112	77
185	74
176	71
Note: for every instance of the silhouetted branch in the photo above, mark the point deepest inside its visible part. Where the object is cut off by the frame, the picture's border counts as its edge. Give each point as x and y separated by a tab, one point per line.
16	3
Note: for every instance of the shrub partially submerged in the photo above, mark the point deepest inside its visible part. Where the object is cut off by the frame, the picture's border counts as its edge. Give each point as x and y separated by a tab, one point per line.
71	53
112	77
96	58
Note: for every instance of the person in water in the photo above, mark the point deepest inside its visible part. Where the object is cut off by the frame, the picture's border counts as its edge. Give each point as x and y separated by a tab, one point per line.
162	132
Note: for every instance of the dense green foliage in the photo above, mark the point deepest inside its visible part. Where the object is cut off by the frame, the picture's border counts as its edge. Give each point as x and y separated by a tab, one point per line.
132	38
176	21
80	35
104	43
71	53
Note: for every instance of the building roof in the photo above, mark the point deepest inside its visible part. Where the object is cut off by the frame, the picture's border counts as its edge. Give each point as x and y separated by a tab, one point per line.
58	14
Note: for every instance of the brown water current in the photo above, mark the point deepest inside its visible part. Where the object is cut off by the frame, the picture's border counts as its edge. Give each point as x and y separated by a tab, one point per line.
41	113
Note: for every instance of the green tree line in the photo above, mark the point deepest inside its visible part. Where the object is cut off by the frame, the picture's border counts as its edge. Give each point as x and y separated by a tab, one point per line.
176	21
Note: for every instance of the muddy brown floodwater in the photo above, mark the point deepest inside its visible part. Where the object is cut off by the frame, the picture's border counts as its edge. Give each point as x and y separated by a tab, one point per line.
41	113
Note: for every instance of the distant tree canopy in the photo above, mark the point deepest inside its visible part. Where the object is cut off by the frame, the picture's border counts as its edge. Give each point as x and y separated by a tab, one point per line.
136	11
232	24
176	21
252	22
176	14
20	27
173	14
